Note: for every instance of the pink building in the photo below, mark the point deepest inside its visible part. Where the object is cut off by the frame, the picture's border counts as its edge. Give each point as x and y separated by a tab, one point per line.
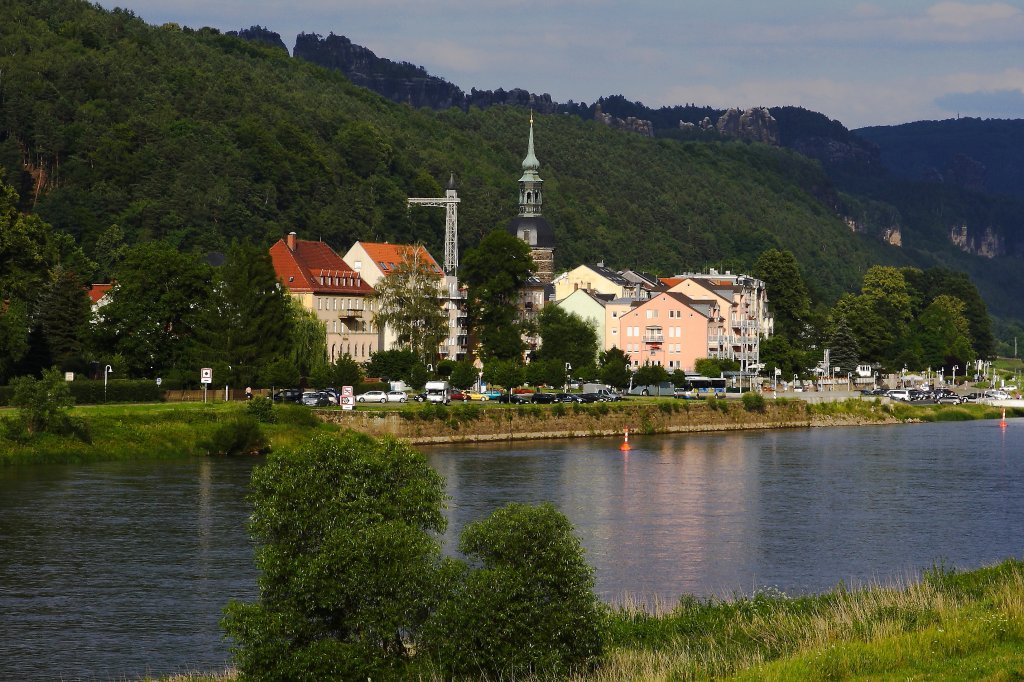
670	330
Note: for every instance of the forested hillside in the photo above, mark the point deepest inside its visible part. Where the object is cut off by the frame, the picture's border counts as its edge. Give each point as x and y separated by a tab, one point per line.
113	130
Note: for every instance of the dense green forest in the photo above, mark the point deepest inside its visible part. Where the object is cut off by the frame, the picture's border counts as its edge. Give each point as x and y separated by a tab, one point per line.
117	132
197	138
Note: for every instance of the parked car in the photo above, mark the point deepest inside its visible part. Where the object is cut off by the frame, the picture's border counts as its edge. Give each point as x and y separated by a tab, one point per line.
420	397
916	395
899	394
288	395
542	398
996	394
397	397
567	398
458	395
972	397
315	399
372	397
476	395
685	394
514	398
494	394
949	398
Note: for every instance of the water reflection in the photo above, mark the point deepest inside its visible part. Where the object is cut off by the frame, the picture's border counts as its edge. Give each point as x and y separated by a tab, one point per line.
801	510
114	570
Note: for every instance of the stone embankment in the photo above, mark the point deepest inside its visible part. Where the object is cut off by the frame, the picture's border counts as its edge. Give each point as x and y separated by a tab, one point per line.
472	423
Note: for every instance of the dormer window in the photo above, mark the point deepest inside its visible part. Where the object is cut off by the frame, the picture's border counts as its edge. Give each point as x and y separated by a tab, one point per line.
382	265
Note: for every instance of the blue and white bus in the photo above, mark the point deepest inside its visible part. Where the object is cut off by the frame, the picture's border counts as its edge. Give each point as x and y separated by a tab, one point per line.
703	386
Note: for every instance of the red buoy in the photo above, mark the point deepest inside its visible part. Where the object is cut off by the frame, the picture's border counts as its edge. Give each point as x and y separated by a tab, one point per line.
1002	422
625	443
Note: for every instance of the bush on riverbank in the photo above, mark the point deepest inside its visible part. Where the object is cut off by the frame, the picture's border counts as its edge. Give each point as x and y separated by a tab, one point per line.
352	585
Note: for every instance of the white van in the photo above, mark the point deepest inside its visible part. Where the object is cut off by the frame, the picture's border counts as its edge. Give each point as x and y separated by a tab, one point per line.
439	392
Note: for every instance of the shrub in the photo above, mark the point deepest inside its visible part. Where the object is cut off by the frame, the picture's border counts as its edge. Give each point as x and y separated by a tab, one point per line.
43	403
528	608
296	415
753	402
558	409
262	410
667	407
347	558
241	436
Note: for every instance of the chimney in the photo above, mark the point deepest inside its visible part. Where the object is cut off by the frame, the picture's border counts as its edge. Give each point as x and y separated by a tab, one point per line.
291	241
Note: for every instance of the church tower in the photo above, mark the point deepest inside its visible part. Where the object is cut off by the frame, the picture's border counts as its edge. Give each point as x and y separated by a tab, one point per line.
530	225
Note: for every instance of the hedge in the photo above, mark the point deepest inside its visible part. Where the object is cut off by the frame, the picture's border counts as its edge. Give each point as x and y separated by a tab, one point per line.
87	391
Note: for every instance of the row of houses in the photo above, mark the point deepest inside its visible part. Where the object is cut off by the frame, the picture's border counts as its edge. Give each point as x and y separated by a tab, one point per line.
670	322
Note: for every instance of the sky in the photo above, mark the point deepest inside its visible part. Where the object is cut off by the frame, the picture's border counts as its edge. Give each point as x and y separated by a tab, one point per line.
867	63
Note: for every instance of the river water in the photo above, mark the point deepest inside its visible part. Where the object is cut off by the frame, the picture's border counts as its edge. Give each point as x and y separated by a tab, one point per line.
112	571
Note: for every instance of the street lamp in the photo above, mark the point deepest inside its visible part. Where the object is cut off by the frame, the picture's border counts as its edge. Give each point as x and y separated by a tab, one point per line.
903	377
107	369
955	368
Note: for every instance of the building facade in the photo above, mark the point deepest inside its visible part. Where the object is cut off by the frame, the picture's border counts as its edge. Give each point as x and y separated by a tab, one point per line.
322	282
376	260
670	330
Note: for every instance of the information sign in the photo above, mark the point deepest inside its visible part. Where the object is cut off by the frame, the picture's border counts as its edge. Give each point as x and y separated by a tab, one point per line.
347	399
206	375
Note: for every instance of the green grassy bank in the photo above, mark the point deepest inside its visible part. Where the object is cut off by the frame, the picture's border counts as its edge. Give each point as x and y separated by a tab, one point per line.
168	430
948	625
151	431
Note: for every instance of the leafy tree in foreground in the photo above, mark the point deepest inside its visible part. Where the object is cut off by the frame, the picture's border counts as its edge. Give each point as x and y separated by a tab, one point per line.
528	609
13	335
347	558
391	365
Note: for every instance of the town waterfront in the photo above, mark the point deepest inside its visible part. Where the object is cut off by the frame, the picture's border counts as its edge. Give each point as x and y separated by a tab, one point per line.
118	569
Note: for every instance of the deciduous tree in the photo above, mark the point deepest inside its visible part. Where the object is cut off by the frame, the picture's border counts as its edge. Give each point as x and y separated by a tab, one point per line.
495	272
409	301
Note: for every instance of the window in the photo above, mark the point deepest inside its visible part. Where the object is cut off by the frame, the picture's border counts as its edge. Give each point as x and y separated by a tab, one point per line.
382	265
318	302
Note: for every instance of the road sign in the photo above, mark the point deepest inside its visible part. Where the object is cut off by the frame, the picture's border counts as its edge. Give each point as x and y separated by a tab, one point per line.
347	401
159	381
206	375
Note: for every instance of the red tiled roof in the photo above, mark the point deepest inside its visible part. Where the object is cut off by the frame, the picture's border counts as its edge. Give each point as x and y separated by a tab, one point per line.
393	254
315	267
671	281
97	291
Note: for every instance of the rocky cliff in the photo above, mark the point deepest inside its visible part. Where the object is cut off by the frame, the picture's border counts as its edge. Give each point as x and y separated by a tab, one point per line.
261	35
988	244
756	125
398	81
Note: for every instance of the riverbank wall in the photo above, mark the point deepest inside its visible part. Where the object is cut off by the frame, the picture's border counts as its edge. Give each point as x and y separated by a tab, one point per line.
472	423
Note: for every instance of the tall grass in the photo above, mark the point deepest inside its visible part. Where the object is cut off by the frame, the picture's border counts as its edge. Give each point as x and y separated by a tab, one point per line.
944	621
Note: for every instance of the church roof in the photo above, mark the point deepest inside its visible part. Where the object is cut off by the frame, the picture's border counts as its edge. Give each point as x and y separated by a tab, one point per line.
545	233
